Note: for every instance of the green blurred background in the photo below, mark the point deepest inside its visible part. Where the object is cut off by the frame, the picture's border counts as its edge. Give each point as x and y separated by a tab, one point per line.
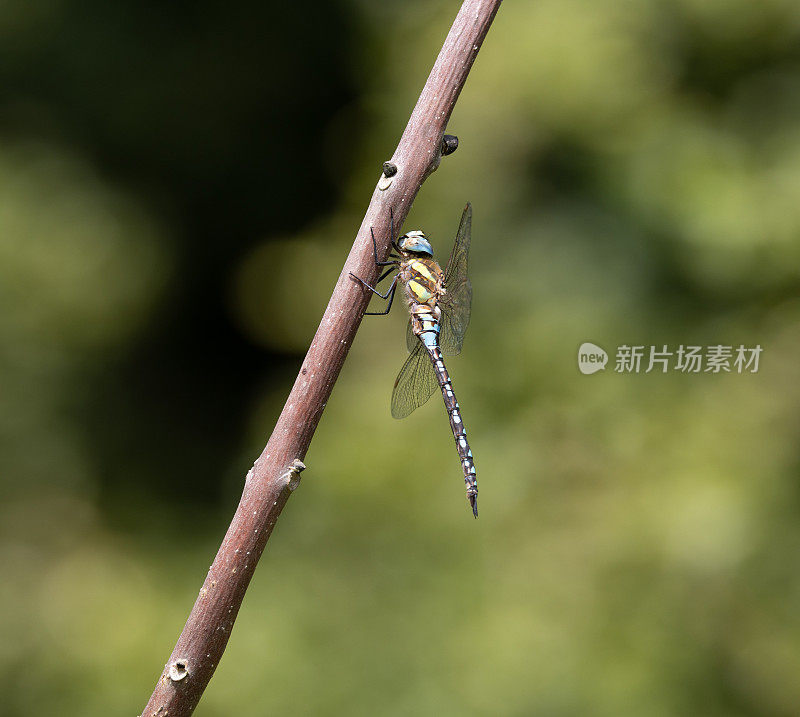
179	186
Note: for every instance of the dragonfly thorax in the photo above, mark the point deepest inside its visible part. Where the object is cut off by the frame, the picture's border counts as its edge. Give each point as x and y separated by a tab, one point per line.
423	281
415	242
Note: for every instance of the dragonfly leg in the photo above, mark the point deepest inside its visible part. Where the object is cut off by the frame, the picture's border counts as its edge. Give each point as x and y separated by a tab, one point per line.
385	274
388	295
375	252
373	289
388	306
391	231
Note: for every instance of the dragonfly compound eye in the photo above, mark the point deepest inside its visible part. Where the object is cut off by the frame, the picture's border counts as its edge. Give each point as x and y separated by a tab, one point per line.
416	242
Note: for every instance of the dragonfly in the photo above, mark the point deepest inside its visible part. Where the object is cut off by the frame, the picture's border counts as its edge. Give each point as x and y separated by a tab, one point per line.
439	304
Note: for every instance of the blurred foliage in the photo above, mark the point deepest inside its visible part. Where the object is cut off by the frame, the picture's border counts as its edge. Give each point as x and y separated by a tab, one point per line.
180	185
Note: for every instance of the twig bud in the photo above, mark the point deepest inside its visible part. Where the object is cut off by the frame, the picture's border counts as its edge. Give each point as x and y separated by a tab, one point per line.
449	144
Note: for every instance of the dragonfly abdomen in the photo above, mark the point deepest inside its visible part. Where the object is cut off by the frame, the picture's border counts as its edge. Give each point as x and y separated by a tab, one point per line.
457	424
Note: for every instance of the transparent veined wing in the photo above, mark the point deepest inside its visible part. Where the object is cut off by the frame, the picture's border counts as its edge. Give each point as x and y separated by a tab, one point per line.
411	338
415	383
457	302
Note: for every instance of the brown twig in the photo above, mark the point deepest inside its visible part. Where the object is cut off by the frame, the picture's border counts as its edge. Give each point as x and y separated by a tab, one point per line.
276	472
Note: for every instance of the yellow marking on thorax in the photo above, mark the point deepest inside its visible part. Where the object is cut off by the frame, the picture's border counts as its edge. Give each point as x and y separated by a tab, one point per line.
422	292
423	270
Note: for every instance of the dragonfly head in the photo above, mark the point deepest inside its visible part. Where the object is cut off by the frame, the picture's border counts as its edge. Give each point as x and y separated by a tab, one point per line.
415	243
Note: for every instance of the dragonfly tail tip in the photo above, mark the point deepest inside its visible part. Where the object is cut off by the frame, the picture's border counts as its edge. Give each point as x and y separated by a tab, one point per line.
473	501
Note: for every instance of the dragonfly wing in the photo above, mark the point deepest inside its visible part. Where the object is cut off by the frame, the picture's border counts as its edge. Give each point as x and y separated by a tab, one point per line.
415	383
412	340
456	304
455	319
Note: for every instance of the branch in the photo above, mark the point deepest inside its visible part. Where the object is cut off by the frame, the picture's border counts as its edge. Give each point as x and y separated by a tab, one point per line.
276	473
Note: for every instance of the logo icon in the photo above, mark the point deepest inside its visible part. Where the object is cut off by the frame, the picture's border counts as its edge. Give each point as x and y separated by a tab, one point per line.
591	358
